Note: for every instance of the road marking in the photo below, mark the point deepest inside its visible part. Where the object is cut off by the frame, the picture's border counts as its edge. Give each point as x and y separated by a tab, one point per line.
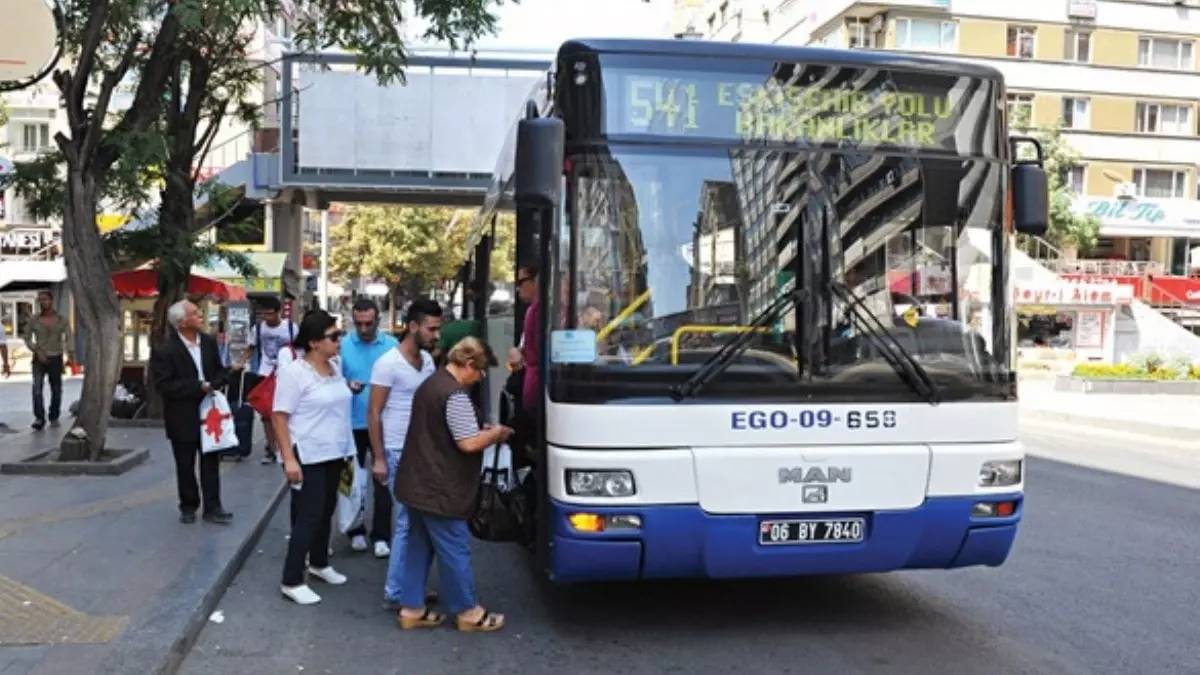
28	617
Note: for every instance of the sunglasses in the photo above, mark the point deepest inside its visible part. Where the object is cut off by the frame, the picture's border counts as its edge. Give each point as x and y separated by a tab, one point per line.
334	336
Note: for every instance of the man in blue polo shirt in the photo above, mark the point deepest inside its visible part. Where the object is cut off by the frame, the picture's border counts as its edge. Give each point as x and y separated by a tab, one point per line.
360	350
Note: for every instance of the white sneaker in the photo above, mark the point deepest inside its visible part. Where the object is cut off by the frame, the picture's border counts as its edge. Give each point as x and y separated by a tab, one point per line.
301	595
382	550
328	575
358	543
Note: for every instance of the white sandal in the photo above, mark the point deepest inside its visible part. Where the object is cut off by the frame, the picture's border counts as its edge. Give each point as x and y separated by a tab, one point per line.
328	575
301	595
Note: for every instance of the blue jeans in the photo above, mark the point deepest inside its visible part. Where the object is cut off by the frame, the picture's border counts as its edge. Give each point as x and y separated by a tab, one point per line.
395	572
451	540
51	370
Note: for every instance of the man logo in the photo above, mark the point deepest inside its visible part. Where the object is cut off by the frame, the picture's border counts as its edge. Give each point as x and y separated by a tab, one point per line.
814	494
815	474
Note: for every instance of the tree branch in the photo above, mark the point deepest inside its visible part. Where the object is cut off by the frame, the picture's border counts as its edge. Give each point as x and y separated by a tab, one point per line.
95	130
206	140
147	100
77	84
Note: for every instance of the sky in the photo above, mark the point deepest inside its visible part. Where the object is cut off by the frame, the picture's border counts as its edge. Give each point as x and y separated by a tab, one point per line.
545	24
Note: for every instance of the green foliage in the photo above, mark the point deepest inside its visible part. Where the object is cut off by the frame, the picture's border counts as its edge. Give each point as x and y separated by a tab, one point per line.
1141	367
1067	228
1109	371
409	248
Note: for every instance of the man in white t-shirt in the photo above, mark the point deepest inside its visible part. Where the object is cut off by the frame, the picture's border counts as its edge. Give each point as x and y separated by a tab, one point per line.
394	379
272	335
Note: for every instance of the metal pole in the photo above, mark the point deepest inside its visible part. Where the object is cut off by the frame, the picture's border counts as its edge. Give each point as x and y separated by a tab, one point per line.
323	281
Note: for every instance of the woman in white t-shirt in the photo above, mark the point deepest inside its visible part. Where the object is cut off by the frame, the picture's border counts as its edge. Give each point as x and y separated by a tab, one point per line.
312	422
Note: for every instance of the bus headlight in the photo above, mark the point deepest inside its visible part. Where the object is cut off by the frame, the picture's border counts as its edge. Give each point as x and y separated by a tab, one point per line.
999	473
581	483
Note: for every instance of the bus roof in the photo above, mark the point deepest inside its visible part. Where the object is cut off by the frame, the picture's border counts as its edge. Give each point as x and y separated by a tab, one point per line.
708	48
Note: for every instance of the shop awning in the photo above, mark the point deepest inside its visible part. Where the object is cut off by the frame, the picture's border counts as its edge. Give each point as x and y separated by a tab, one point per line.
143	283
22	274
268	280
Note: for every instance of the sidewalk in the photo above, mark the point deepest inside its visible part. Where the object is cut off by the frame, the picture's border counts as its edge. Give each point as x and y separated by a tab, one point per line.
1163	416
98	575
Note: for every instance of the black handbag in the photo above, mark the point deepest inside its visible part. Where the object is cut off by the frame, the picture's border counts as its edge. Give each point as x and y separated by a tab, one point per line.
496	517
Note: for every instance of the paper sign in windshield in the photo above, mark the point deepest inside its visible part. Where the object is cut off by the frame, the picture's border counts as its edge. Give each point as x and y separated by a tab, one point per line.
573	346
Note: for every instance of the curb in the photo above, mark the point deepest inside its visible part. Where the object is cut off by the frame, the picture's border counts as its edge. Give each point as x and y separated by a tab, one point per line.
1155	430
191	632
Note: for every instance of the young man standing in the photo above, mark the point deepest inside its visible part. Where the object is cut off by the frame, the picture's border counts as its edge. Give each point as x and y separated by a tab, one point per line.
394	380
48	336
360	350
271	334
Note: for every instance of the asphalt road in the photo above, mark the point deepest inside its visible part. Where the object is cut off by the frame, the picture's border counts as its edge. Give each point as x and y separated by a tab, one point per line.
1103	579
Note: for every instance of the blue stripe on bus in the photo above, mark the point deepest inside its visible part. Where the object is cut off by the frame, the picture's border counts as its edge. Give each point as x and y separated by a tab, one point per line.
682	541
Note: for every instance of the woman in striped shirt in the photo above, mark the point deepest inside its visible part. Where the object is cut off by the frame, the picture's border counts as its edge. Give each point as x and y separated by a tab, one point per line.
437	480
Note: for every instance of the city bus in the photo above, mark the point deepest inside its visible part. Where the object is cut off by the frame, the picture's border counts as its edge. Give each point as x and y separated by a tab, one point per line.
776	335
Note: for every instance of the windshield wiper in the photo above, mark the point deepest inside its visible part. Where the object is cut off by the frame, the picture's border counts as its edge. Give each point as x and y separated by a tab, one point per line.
718	362
899	358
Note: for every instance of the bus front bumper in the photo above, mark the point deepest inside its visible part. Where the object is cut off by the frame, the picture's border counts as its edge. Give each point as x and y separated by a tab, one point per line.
682	541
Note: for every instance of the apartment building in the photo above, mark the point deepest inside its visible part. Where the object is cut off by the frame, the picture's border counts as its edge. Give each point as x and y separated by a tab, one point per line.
1121	76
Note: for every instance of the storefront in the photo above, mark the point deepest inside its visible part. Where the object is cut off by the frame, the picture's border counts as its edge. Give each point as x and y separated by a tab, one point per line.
138	290
1076	319
1165	232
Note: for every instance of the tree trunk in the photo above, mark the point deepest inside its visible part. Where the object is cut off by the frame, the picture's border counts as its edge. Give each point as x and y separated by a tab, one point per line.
99	311
176	223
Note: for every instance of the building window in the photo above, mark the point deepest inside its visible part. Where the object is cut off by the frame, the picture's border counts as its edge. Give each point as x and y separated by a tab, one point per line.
926	34
1159	183
1158	118
1074	179
35	137
1020	110
1075	113
1165	53
1021	40
1078	47
860	34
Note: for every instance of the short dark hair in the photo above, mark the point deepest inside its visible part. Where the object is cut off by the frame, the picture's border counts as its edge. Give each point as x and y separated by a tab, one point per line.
313	327
530	267
421	308
270	303
365	305
47	293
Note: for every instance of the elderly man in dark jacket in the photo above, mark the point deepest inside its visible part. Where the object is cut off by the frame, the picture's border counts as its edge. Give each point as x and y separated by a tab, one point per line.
186	367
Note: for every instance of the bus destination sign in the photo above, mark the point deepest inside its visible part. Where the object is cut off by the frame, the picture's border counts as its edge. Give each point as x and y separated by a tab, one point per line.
884	112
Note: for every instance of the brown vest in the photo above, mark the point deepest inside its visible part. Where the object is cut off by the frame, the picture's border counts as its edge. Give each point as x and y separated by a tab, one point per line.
434	475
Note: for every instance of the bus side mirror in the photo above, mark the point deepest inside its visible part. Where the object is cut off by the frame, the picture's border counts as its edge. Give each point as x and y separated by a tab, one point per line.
1031	198
538	167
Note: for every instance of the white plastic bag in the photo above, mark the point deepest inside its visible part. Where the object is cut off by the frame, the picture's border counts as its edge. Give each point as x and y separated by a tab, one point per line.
498	468
351	498
217	430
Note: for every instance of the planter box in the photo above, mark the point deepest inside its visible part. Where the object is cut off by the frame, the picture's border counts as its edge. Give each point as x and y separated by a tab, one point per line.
45	463
1083	385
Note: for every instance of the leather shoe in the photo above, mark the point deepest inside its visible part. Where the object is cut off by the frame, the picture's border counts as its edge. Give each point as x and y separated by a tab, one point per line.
221	517
187	517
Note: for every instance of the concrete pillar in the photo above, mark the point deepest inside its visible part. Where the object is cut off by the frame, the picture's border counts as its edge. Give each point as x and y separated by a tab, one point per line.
323	280
286	227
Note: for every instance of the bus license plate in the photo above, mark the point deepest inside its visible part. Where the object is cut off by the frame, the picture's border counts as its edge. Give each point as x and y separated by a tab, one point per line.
833	531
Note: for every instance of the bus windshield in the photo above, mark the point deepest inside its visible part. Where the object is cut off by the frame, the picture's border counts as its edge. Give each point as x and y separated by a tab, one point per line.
668	251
